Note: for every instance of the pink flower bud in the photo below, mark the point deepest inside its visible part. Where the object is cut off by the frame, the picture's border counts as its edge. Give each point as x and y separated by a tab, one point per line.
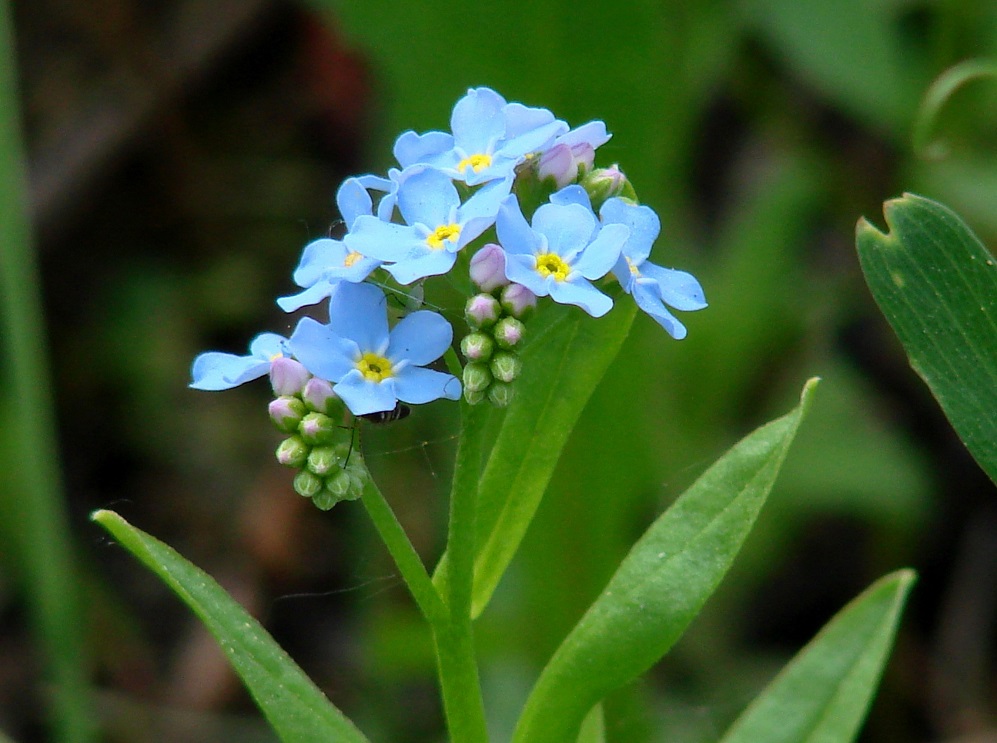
518	301
482	310
287	376
563	162
488	268
318	395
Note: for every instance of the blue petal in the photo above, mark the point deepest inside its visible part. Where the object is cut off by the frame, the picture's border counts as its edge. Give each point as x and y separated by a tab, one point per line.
359	312
514	232
581	293
353	201
679	289
573	194
593	133
312	295
268	346
221	371
411	148
427	196
321	351
522	269
643	223
417	385
645	294
420	338
478	213
567	228
521	120
384	241
429	263
317	257
478	120
603	253
362	396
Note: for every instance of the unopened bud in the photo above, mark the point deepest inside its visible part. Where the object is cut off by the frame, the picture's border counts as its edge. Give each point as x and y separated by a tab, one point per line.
292	452
322	460
482	310
500	394
344	487
488	268
477	346
505	366
287	376
317	428
605	183
474	397
307	483
508	332
563	162
477	377
286	413
318	395
518	301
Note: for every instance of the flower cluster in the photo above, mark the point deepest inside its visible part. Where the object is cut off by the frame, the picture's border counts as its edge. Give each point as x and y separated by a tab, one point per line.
512	185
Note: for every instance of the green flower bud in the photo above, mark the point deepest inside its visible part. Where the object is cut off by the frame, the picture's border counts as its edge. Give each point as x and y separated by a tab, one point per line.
317	429
324	500
605	183
477	377
307	484
474	397
286	413
343	487
293	452
500	394
477	346
482	310
505	366
322	460
508	332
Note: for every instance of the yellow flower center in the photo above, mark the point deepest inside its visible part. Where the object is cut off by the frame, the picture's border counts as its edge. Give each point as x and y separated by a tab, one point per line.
374	367
551	264
477	163
633	268
443	233
351	258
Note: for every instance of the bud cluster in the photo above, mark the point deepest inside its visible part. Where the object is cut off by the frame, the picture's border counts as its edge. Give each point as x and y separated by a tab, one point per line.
495	318
306	408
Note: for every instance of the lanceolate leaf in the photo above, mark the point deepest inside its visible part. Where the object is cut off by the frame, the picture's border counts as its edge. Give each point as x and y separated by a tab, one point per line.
294	706
660	586
824	693
937	285
567	356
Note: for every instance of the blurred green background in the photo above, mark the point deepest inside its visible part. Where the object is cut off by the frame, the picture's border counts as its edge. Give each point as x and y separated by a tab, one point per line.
179	156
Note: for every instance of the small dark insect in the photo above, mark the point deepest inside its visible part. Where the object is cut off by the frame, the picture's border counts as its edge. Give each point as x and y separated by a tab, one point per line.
388	416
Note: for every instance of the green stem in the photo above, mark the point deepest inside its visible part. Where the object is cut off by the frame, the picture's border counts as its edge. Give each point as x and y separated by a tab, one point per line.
35	523
937	95
406	558
455	642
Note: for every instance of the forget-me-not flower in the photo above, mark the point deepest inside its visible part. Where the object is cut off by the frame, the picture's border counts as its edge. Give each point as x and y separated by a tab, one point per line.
326	262
215	370
373	368
437	224
490	137
651	286
560	253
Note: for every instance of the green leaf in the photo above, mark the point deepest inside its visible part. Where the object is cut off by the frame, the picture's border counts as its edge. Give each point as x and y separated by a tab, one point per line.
937	285
824	693
298	711
568	354
660	586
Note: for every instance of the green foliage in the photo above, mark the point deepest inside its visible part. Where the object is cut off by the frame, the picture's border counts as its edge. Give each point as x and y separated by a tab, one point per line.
298	711
937	285
660	586
824	693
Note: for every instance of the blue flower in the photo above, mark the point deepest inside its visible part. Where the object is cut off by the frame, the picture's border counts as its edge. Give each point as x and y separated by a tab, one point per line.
490	137
651	286
373	368
326	262
437	224
560	253
222	371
